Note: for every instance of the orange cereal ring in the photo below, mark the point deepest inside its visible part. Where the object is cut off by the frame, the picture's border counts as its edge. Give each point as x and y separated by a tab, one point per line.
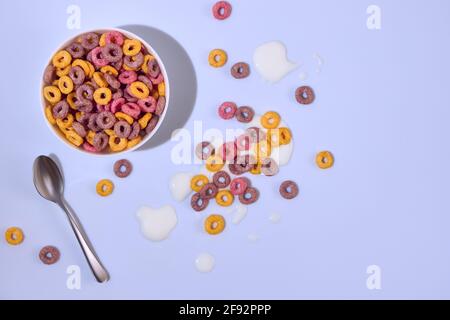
65	85
49	115
262	149
102	96
214	224
102	41
270	120
139	90
64	71
117	144
109	69
273	135
105	187
66	122
52	94
285	136
133	142
325	160
147	58
90	137
143	122
83	65
91	69
62	59
100	79
14	236
224	198
71	99
162	89
256	170
123	116
217	58
198	181
214	163
131	47
74	138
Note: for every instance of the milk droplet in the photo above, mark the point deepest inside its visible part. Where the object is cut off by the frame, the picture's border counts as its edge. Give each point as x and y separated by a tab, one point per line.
253	237
240	213
157	224
275	217
205	262
180	185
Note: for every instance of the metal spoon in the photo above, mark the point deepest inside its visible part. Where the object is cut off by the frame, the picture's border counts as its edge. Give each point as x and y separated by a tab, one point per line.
49	183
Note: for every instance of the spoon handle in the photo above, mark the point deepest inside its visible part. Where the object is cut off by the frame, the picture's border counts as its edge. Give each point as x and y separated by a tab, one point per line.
100	273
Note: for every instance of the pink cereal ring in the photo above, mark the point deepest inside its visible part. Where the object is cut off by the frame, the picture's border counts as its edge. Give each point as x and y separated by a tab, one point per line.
158	79
114	37
116	105
227	110
97	57
127	77
238	186
148	104
243	142
228	151
222	10
89	148
131	109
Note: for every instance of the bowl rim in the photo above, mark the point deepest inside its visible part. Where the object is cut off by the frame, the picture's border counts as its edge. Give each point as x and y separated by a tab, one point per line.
150	49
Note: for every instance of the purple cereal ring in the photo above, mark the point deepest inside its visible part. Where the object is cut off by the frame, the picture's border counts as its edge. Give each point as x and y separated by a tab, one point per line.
89	148
158	79
148	104
256	134
92	123
146	81
112	81
76	50
269	167
111	52
85	92
239	185
134	61
79	129
89	40
100	141
77	75
198	203
118	94
122	129
245	114
204	150
60	110
84	118
153	68
132	109
209	191
89	56
49	255
117	65
227	151
98	57
84	105
227	110
49	74
123	168
243	142
127	77
152	124
114	37
221	179
116	105
127	95
105	120
160	106
251	195
135	130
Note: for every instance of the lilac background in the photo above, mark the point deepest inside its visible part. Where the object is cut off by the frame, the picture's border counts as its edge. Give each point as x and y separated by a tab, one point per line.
382	108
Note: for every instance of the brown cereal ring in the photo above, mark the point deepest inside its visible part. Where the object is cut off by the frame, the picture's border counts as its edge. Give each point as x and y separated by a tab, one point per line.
89	40
76	50
112	81
269	167
153	68
240	70
60	110
221	10
221	179
244	163
85	106
92	123
251	195
122	129
160	106
305	95
100	141
77	75
123	168
209	191
49	255
85	92
289	189
49	74
214	224
112	52
134	62
152	124
245	114
105	120
79	129
198	203
204	150
325	160
135	129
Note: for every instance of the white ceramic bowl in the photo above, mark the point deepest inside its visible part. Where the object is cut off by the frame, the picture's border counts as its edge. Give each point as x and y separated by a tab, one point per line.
150	49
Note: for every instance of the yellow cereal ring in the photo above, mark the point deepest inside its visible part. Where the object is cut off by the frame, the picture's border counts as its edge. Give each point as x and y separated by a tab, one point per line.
66	122
217	58
105	187
64	71
109	132
127	68
214	224
74	138
49	115
65	131
14	236
285	136
139	90
133	142
256	170
131	47
143	122
325	160
100	80
262	149
273	136
224	198
90	137
71	100
55	83
155	95
52	94
214	163
162	89
117	144
62	59
78	115
270	120
198	181
109	69
102	96
147	58
65	85
91	72
102	41
83	65
123	116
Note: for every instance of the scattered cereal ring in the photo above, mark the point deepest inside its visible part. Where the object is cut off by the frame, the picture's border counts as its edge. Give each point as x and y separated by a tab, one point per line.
14	236
285	136
255	134
269	167
198	182
49	255
240	70
221	179
62	59
224	198
256	169
214	224
273	137
105	187
221	10
227	110
262	149
270	120
103	96
239	185
52	94
139	90
198	203
123	168
325	160
117	144
209	191
251	195
204	150
65	85
289	189
214	163
245	114
243	142
217	58
131	47
227	151
143	122
305	95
